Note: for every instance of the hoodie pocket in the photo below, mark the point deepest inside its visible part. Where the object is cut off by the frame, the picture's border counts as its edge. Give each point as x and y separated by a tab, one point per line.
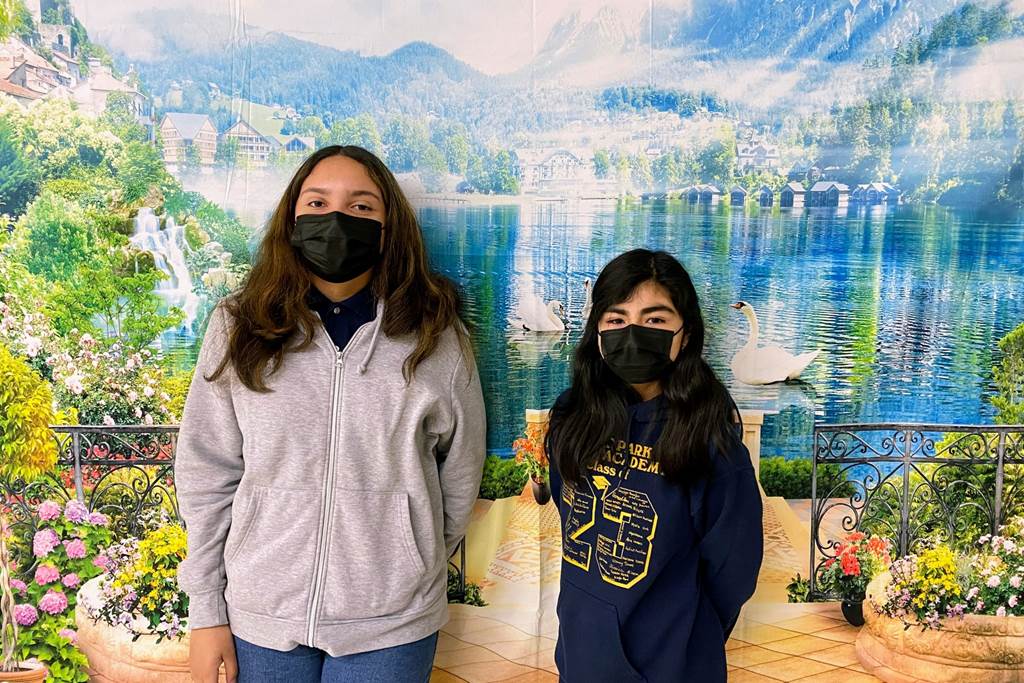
374	568
270	567
590	640
243	513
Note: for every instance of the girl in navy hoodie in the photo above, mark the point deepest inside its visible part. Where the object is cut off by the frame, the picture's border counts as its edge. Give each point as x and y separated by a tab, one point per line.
661	510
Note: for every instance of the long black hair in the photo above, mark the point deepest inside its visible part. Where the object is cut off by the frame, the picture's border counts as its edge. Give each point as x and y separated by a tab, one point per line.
701	415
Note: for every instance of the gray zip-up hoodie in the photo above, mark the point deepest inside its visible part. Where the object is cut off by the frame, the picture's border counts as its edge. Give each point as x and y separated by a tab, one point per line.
323	513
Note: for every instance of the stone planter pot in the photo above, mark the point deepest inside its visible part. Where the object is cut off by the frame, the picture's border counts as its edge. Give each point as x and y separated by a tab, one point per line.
29	672
114	658
975	649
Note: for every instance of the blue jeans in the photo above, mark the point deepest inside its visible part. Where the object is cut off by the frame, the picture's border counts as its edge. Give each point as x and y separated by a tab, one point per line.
410	663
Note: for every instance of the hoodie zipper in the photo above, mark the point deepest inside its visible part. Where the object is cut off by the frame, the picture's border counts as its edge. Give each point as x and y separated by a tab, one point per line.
327	500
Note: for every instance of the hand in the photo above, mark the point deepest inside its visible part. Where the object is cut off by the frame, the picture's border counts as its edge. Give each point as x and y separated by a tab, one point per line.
208	647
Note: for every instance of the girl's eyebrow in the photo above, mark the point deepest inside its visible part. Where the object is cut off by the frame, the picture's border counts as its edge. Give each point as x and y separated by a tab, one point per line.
317	190
649	309
366	193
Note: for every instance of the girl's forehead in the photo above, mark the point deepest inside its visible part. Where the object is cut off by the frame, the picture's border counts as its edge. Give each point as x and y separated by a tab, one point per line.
647	293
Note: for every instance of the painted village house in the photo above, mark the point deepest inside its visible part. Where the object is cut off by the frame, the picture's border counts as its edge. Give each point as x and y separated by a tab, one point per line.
181	131
792	196
828	194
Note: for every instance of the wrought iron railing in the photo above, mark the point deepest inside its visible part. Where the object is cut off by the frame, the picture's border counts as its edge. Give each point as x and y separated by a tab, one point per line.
124	471
914	484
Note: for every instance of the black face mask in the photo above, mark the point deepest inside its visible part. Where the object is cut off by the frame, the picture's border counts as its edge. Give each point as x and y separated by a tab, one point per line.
336	246
638	354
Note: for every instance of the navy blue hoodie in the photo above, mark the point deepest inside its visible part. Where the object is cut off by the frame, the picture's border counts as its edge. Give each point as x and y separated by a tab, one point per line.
653	573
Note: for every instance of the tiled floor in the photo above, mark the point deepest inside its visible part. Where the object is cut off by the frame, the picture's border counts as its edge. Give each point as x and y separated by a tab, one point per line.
809	643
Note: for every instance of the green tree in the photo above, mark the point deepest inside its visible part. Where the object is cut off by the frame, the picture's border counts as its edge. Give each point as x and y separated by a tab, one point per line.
503	174
668	170
19	175
115	290
138	167
59	237
227	153
357	130
717	161
119	115
15	18
226	230
405	142
640	171
602	163
1009	379
193	160
433	169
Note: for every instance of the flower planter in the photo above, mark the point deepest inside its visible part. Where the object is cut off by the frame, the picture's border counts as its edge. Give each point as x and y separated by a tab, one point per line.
853	610
30	672
541	491
114	658
974	649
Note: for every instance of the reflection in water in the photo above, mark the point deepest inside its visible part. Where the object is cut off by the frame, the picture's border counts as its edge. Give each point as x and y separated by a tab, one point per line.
907	303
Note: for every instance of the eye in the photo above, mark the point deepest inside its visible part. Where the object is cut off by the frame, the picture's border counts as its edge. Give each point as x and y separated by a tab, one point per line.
317	204
614	321
362	207
655	320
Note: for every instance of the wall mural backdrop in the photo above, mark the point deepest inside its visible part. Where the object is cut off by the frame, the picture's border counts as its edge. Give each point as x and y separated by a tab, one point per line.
852	170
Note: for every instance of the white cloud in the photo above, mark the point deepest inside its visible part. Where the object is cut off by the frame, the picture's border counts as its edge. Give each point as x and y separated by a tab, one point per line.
496	36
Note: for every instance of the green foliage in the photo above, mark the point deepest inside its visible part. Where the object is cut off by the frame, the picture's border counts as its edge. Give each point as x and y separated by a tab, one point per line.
472	596
64	662
227	153
602	163
60	238
231	234
405	143
798	590
119	115
503	478
792	479
27	447
357	130
493	174
433	169
193	159
1009	379
15	18
626	98
717	161
139	168
19	175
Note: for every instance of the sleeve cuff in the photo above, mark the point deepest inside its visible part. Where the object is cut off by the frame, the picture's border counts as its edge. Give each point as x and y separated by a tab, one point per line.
206	610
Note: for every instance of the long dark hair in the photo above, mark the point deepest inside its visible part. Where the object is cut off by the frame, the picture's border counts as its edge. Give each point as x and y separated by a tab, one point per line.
271	307
701	415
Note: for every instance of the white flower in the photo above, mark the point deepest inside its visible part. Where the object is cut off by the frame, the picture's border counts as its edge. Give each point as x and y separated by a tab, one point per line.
32	346
993	581
148	391
138	412
133	396
1009	545
1001	612
149	419
1015	581
74	384
108	421
1012	602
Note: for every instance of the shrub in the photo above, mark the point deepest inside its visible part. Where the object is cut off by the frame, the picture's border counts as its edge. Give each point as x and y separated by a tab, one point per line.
792	479
503	478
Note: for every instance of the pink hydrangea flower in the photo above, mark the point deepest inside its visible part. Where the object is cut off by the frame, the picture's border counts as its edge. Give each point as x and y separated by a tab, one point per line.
76	512
25	615
973	593
98	518
72	581
54	602
75	549
48	511
69	634
1012	602
1001	611
101	561
1015	581
46	574
18	585
44	542
993	581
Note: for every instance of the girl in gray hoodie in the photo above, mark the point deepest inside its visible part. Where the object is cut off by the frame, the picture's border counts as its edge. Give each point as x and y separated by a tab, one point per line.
331	445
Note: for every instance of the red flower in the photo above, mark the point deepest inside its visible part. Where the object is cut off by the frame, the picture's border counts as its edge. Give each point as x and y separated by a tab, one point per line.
851	566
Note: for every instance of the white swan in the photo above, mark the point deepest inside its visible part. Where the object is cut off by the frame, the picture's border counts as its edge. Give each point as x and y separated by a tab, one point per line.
755	364
588	303
534	316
